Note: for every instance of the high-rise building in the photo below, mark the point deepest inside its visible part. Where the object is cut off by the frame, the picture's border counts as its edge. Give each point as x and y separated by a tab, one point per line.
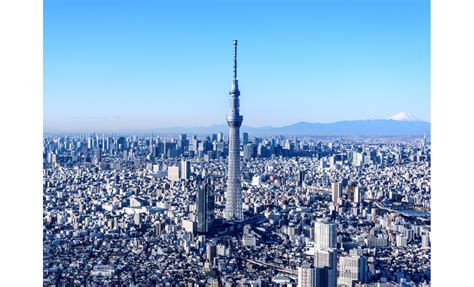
326	259
358	194
233	194
106	144
210	251
300	178
352	269
121	143
182	144
325	256
220	137
357	158
159	228
321	277
185	169
245	138
336	191
325	234
205	207
90	142
248	150
98	155
425	240
306	275
173	173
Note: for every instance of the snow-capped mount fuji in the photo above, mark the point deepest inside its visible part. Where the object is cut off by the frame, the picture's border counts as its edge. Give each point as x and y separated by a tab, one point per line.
405	117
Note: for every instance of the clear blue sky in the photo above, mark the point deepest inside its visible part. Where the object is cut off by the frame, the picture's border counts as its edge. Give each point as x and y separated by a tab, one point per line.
151	64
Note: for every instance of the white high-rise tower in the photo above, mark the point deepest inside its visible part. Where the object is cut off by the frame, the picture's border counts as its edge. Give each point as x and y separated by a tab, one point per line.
325	234
233	194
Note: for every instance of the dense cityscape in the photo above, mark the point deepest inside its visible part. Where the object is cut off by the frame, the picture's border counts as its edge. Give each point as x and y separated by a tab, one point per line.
129	210
216	210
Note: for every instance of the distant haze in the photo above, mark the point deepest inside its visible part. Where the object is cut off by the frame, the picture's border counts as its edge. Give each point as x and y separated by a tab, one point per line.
379	127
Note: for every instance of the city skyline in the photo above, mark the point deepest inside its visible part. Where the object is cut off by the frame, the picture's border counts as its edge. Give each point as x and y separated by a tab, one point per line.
217	127
317	212
219	211
364	62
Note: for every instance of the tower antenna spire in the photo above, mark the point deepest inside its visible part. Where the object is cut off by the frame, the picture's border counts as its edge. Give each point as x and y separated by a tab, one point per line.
235	59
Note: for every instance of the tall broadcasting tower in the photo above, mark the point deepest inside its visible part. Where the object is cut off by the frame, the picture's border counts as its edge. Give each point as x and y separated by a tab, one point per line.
233	194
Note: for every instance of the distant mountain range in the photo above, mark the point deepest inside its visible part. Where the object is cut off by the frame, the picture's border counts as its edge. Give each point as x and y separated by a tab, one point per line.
401	124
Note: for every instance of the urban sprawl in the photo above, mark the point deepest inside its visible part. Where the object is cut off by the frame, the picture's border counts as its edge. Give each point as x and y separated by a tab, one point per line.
149	211
215	211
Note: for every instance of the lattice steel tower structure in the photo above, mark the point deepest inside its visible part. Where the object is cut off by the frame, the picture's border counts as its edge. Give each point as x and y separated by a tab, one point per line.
233	194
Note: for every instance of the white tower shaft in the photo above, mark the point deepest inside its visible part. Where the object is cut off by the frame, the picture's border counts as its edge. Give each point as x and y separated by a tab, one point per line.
233	194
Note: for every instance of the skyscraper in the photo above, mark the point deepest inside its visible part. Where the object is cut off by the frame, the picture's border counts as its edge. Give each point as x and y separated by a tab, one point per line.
233	194
245	138
173	173
325	234
306	275
325	256
300	178
358	194
353	268
185	169
326	259
210	251
220	137
336	191
205	207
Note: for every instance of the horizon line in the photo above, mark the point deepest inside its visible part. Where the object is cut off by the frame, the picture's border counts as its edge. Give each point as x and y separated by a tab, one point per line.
139	129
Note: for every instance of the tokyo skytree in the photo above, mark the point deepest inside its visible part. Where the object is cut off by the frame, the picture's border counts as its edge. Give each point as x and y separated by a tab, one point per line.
233	194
